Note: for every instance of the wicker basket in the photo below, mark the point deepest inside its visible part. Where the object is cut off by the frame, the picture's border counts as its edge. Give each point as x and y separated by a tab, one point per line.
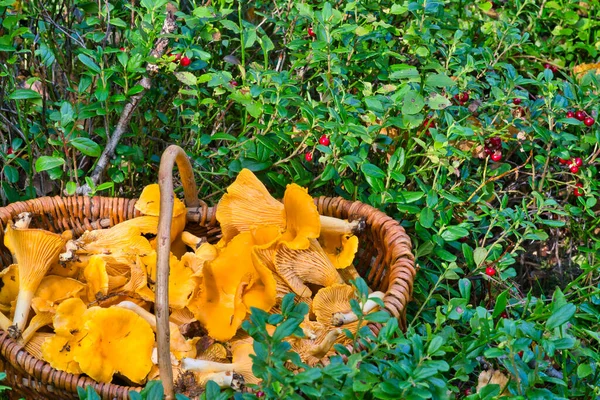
384	260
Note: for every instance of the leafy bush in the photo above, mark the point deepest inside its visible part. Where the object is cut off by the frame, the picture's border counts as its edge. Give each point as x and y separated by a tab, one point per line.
410	96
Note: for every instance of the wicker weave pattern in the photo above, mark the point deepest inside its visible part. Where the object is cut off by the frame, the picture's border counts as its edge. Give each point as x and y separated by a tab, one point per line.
384	260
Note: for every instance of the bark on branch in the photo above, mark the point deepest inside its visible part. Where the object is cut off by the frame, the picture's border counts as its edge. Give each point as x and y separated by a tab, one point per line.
160	46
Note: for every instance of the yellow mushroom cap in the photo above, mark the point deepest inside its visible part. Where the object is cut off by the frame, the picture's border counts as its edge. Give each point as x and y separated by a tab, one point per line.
149	202
96	278
10	284
35	250
58	350
52	290
340	249
138	282
248	205
309	265
219	303
330	300
117	340
301	216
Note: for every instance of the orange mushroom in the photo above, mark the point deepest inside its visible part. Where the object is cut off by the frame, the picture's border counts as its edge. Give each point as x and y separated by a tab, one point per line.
34	250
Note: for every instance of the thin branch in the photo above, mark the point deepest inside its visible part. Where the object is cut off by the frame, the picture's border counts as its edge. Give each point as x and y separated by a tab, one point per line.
160	46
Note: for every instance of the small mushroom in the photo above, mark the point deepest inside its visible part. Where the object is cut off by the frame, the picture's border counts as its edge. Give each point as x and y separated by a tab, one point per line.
180	346
34	345
339	248
38	321
241	364
116	340
52	290
310	265
34	250
331	305
10	285
312	351
149	204
219	303
58	349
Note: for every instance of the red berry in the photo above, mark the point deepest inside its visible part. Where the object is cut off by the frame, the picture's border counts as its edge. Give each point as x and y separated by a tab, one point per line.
233	83
311	32
185	61
562	161
9	151
504	314
457	97
122	48
570	114
547	66
520	354
589	121
324	140
580	115
488	151
468	392
308	157
554	68
578	161
497	156
490	271
516	102
577	192
496	142
574	168
464	97
260	393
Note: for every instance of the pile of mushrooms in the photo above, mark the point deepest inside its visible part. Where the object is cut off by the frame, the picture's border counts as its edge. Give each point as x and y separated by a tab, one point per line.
93	296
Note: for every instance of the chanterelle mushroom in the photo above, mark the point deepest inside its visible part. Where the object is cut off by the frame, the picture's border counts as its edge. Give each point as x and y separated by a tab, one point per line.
34	250
310	265
331	305
242	363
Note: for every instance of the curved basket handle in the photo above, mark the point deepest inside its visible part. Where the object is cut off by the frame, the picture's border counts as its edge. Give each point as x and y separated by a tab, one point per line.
173	154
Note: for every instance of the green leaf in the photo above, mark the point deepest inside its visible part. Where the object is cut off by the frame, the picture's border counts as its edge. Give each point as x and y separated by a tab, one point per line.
584	370
24	94
426	218
439	80
438	102
86	146
45	163
500	306
11	174
454	232
187	78
71	188
88	62
412	103
372	171
479	255
561	316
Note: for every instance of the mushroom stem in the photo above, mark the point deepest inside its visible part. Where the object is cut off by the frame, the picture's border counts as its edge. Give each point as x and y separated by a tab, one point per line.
37	322
23	221
192	364
341	226
223	379
341	318
320	350
191	240
22	307
146	315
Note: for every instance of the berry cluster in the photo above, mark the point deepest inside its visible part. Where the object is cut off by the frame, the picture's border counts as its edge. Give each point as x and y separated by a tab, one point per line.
573	164
427	124
493	148
324	141
551	67
578	192
582	116
462	98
